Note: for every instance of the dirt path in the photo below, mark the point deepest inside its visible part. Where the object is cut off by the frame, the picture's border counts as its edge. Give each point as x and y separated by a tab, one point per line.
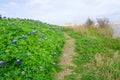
66	58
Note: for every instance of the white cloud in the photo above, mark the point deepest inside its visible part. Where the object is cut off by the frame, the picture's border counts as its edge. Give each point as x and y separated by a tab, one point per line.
3	12
37	2
62	11
12	4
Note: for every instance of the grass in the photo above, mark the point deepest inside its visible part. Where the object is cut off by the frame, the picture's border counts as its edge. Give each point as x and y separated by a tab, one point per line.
98	55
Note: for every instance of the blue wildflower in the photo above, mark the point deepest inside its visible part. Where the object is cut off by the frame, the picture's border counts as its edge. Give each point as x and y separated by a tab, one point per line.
42	36
9	19
2	63
18	62
24	37
34	32
0	16
29	33
14	42
55	54
4	17
13	24
39	40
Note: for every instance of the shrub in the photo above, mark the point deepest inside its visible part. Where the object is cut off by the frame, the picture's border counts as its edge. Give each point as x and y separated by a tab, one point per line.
89	23
103	22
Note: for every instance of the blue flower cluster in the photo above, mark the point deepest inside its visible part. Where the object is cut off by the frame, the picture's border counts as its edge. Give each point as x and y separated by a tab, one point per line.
0	16
24	37
14	42
18	62
34	32
55	54
42	36
2	63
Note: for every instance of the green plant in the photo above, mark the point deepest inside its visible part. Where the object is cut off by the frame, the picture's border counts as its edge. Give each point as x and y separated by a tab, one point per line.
98	56
29	49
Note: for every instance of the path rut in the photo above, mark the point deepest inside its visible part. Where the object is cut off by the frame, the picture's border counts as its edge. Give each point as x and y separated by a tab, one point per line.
66	58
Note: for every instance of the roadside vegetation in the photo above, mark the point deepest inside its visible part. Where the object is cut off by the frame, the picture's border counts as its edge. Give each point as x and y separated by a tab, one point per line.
98	54
29	49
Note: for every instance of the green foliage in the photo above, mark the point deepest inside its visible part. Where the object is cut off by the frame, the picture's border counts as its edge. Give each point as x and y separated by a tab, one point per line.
29	49
98	57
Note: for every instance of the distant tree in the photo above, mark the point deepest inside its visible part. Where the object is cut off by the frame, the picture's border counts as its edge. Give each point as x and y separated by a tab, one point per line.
103	22
89	22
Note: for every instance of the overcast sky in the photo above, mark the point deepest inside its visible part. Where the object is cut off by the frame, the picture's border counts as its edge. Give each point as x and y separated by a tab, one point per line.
61	11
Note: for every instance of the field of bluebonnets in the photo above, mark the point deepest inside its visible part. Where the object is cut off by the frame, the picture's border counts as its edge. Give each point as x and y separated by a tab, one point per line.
29	49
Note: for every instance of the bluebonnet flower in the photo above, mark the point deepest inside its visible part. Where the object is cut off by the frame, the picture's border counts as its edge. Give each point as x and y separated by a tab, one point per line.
9	19
42	36
29	33
0	16
18	62
39	40
14	42
55	54
4	17
2	63
18	18
34	32
13	24
24	37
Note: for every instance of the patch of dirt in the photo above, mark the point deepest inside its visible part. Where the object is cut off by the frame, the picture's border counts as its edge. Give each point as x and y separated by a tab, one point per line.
66	58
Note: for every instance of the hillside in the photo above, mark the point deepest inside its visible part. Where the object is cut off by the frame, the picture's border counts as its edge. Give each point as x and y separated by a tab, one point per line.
29	49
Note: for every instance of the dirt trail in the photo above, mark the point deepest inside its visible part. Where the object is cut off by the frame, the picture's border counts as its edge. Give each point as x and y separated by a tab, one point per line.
66	58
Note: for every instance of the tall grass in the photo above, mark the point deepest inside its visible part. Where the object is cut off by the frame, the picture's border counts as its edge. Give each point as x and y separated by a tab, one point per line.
98	55
90	29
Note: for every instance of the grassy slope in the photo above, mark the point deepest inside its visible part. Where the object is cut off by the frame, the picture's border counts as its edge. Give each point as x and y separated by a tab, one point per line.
38	52
98	55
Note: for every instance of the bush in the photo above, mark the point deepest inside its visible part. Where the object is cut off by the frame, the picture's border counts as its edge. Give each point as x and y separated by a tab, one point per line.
89	23
103	22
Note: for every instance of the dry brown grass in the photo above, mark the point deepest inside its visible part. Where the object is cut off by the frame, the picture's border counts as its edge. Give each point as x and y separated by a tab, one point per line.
80	29
106	32
102	63
92	31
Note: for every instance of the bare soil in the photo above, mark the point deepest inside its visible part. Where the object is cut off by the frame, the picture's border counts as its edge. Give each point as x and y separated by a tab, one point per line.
66	58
